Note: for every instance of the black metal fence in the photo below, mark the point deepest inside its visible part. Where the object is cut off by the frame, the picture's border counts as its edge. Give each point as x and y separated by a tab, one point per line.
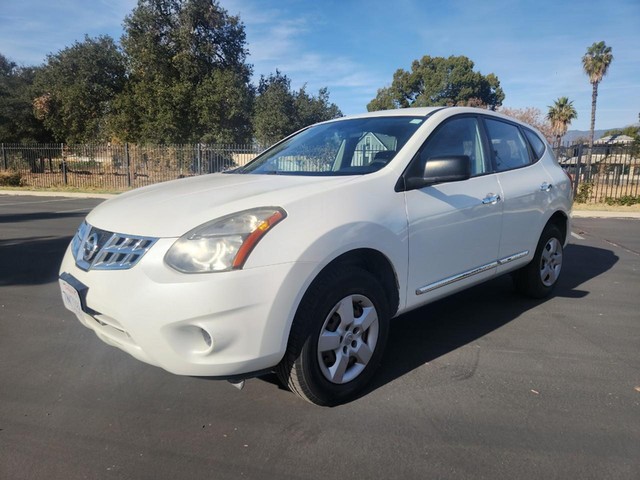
608	172
116	167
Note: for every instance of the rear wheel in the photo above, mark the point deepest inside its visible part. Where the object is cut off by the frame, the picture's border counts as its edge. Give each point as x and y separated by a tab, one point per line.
337	338
540	277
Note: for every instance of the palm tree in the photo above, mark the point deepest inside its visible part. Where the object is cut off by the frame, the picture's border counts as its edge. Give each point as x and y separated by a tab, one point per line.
561	113
595	63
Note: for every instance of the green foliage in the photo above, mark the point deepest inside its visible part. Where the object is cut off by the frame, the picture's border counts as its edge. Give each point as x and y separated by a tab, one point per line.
560	114
275	111
596	64
630	131
188	77
624	200
584	193
76	89
181	76
11	179
310	109
596	61
17	123
279	111
435	81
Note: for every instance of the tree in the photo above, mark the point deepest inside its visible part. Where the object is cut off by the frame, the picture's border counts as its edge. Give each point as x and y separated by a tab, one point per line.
560	114
596	64
632	131
189	81
275	109
76	88
310	109
279	111
435	81
531	116
17	123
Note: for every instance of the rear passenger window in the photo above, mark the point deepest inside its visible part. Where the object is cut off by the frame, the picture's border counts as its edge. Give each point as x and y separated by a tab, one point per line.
537	144
509	147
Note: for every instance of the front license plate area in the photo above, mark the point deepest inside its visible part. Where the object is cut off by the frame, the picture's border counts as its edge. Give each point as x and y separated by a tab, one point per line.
70	297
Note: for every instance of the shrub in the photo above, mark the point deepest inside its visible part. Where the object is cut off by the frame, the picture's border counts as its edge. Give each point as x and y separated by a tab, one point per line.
624	200
11	179
584	192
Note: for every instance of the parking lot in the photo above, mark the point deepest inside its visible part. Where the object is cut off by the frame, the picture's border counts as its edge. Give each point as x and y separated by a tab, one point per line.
484	384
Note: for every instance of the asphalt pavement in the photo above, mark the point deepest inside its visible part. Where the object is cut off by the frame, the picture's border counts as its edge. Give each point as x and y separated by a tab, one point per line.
485	384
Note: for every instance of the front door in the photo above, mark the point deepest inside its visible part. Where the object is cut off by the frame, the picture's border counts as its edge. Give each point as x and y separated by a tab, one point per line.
454	228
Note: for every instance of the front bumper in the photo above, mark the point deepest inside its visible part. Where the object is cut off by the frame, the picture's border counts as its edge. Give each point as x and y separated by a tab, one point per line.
220	324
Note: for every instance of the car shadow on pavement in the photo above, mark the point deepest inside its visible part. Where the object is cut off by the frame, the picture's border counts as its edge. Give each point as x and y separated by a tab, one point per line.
29	217
425	334
31	261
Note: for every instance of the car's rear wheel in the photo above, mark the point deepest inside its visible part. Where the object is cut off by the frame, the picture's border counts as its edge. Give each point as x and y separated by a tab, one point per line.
337	337
539	278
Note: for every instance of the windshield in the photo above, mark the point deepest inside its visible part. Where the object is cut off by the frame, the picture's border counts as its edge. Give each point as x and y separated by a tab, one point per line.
344	147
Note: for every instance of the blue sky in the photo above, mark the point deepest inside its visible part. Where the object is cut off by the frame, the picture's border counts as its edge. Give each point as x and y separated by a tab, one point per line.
353	47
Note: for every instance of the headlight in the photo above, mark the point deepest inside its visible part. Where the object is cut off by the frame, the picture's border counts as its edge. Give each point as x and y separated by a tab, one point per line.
222	244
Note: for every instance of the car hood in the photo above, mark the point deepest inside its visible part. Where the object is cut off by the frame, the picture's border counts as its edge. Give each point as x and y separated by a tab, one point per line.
173	208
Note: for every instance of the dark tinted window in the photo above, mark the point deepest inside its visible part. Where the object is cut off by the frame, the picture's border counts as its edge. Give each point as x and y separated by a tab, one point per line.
536	143
509	147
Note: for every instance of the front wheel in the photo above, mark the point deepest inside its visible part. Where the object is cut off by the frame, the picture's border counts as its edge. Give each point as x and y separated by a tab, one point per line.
337	337
540	277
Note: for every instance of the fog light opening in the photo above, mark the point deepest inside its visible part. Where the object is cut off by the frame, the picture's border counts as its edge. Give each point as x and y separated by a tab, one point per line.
207	338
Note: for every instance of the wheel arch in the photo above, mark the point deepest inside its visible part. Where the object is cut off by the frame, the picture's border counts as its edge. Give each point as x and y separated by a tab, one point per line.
561	221
376	263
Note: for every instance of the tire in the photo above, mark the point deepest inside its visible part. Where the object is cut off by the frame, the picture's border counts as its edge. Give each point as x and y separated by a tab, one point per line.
540	276
337	338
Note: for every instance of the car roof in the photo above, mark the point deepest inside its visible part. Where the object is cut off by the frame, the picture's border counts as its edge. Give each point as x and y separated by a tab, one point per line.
398	112
426	111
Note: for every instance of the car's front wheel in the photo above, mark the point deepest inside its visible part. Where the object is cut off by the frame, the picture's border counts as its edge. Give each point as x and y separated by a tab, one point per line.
540	277
337	337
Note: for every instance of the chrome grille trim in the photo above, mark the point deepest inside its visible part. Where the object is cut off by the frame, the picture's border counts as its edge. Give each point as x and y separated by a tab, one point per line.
96	249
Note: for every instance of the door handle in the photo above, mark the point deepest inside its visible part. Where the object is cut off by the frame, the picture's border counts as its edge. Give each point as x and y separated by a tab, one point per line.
545	187
491	199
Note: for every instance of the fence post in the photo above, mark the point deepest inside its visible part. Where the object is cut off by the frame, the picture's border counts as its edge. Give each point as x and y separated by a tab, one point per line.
128	160
578	168
64	165
199	159
4	158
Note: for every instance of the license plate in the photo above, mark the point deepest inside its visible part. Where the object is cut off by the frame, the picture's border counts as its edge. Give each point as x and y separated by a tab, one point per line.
70	297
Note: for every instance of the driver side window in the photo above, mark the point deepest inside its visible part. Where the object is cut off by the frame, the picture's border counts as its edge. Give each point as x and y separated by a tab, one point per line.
459	136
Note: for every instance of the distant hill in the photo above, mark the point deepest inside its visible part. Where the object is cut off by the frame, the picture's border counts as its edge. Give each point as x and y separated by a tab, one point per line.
572	135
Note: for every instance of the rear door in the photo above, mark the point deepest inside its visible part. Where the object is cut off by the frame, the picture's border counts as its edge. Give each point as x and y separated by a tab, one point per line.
526	188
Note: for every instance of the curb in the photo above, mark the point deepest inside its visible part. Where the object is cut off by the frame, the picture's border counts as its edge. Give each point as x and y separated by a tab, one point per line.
24	193
603	214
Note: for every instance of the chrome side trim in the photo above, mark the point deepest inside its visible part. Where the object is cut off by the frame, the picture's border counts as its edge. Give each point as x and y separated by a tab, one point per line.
511	258
456	278
470	273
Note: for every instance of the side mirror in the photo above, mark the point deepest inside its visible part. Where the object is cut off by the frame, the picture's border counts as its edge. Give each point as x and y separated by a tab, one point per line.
453	168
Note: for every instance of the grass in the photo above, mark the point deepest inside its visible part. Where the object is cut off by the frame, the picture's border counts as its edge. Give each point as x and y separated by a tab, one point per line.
606	208
58	189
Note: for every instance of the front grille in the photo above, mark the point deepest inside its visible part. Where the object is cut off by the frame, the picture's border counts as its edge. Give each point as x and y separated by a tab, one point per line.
96	249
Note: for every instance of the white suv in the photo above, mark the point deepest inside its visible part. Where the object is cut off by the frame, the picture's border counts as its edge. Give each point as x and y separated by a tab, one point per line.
296	262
